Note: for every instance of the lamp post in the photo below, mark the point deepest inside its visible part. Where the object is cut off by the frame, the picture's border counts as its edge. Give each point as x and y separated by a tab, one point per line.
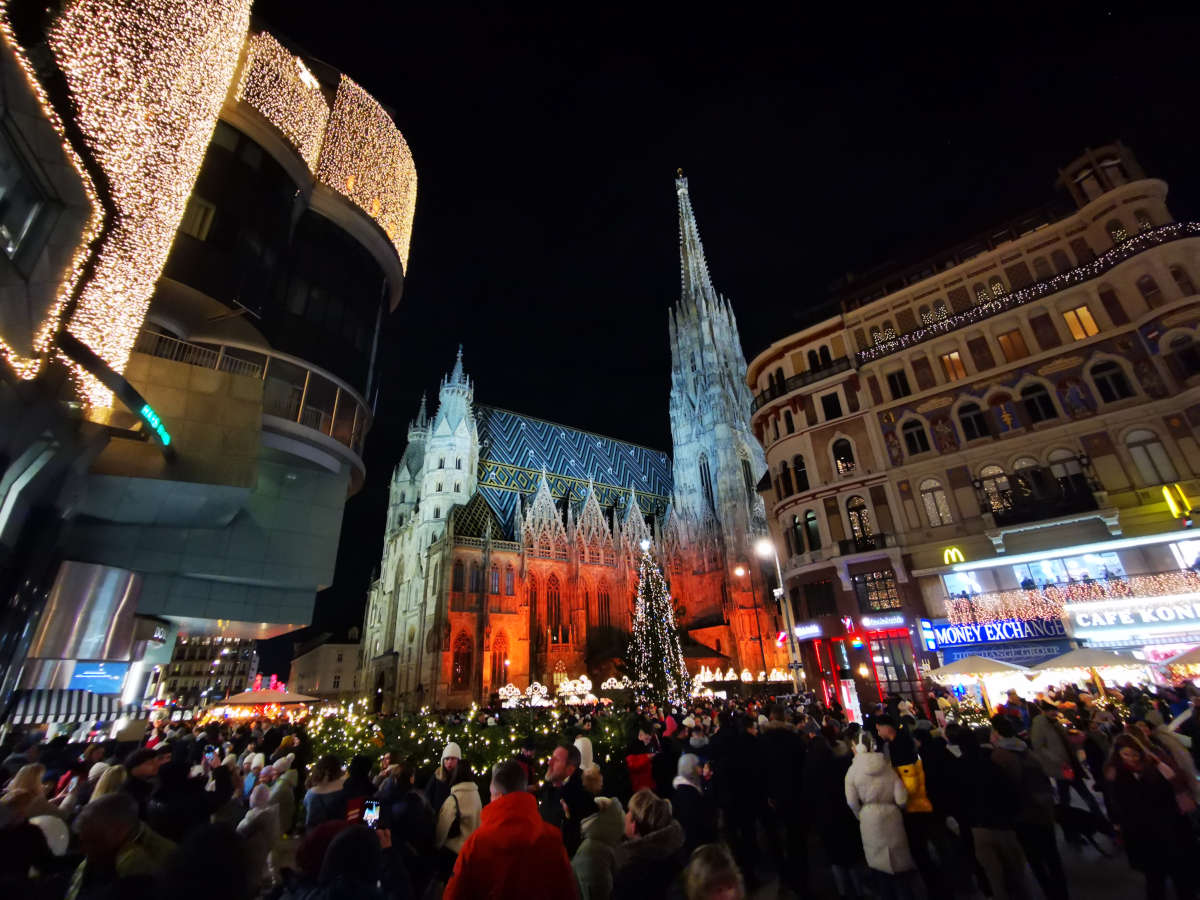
765	548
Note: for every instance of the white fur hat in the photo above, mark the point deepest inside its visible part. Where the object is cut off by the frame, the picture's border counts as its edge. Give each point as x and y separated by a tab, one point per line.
452	750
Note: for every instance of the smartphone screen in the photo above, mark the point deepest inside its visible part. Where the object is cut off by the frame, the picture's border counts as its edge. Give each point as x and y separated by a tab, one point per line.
371	813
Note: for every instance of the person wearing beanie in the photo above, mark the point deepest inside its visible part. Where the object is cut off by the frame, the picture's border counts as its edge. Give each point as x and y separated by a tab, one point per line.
585	751
438	788
260	828
694	809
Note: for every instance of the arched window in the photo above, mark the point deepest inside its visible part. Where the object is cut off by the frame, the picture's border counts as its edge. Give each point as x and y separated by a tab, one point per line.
499	658
458	464
937	507
554	616
843	456
1041	269
814	361
997	287
1062	262
785	480
495	585
560	673
1143	220
994	483
706	481
1183	281
796	535
1150	457
531	594
915	438
437	488
801	473
461	663
441	462
747	475
789	424
860	518
437	512
812	530
1111	381
1150	291
974	421
979	289
1038	405
457	578
779	380
510	582
826	359
476	582
1116	230
603	605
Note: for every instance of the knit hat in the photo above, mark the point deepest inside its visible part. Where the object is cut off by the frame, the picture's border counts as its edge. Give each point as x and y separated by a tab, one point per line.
584	746
452	750
97	770
258	761
260	797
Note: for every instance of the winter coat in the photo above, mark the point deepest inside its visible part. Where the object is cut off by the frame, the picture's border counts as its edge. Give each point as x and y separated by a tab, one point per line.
639	764
465	803
825	768
512	855
1153	829
283	795
595	862
650	864
782	752
1048	740
696	812
876	795
260	828
1014	758
323	806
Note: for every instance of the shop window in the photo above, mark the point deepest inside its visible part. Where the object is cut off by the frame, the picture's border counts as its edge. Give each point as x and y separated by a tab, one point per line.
1150	457
1012	345
952	365
1080	322
937	507
1039	407
974	421
876	591
843	457
915	438
1111	382
898	384
813	530
892	659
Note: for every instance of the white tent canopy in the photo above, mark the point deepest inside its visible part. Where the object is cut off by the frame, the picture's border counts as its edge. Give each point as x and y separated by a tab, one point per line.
978	665
1089	658
1186	658
262	698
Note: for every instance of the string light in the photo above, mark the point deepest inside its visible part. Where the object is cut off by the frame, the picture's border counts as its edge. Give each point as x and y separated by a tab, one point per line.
1048	602
655	653
27	367
146	99
988	308
365	158
278	85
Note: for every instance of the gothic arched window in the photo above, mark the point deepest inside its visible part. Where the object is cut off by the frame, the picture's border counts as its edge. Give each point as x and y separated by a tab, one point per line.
476	583
554	609
603	605
495	585
509	581
706	481
461	663
747	477
457	583
531	593
499	657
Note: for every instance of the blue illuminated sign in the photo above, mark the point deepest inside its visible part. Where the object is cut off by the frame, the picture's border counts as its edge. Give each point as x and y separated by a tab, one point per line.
98	677
946	635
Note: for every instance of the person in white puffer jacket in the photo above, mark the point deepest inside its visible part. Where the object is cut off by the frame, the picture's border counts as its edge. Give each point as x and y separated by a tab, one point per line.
876	795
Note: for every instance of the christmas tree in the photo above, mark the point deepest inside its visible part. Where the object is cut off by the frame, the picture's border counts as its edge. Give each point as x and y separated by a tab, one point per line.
655	657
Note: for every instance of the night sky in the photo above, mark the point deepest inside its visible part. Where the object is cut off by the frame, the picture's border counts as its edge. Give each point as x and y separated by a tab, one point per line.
546	144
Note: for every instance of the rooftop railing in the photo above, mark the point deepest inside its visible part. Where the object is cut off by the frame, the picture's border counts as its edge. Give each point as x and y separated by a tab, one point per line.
292	389
841	364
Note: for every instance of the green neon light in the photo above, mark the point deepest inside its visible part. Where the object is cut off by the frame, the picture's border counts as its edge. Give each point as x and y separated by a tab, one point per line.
152	419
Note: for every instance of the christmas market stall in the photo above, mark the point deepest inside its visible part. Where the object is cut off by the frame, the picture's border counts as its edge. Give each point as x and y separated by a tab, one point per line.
984	674
270	704
1092	664
1184	666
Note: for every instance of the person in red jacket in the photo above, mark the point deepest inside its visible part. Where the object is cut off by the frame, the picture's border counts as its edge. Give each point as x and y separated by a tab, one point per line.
513	854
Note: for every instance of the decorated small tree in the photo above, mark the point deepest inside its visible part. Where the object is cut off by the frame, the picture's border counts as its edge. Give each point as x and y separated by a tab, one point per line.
655	657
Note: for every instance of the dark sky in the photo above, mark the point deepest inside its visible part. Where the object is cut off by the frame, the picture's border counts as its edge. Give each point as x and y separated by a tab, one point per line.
545	238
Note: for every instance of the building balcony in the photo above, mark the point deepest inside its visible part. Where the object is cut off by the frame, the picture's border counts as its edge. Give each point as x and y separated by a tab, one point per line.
865	544
1034	494
841	364
1122	252
293	390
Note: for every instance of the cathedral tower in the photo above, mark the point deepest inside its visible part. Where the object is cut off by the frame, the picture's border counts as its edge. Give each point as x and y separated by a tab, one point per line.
717	461
451	449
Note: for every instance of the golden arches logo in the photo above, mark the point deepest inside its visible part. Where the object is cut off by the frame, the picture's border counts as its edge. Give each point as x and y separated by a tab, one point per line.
952	555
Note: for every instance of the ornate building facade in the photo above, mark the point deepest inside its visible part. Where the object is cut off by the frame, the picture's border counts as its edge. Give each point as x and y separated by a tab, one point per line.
511	545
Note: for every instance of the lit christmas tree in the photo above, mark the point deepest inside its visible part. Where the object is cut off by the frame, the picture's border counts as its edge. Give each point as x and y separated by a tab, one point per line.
655	657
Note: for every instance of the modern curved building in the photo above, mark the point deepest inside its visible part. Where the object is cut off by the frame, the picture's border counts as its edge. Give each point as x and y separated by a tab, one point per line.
243	226
1013	413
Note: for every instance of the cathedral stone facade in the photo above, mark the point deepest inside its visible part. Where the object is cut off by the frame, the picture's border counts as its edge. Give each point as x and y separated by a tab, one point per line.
511	546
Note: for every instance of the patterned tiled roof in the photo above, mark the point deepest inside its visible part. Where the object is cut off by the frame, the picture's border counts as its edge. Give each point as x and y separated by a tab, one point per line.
515	449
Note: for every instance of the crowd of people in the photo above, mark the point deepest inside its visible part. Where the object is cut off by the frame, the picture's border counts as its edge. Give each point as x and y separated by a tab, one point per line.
705	801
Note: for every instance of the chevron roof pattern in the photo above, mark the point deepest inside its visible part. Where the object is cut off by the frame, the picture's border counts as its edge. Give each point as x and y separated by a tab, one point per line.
514	449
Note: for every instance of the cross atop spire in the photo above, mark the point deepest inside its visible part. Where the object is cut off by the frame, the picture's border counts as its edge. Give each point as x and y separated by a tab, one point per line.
456	376
693	266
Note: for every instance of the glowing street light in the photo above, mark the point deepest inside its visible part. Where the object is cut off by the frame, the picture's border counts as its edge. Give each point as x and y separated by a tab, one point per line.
740	571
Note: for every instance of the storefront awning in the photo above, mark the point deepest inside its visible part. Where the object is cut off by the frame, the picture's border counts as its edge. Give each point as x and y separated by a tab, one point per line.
64	706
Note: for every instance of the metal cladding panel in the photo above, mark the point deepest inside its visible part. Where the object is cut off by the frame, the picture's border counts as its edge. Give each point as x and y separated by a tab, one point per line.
89	614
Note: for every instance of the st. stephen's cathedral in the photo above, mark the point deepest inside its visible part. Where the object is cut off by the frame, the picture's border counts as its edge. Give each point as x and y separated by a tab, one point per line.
512	543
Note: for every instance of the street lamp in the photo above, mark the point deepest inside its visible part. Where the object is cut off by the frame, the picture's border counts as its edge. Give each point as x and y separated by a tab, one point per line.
765	548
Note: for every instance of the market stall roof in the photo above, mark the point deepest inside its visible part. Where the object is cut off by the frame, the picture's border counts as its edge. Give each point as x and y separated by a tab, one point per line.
65	706
262	698
1089	658
979	665
1186	658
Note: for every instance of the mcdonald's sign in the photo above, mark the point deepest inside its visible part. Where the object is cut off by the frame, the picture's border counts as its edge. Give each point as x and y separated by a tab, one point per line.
952	555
